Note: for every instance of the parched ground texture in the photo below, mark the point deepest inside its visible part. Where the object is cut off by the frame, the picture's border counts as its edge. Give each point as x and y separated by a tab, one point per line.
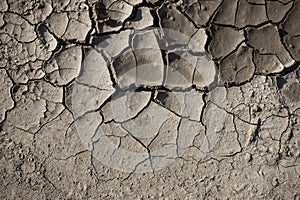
255	47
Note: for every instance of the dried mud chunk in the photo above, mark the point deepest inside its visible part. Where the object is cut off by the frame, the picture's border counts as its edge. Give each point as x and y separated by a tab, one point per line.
3	6
293	45
142	19
292	29
133	2
180	70
113	44
150	65
65	66
226	13
147	124
124	106
185	104
93	69
238	67
291	92
225	40
152	1
46	37
5	97
250	14
290	24
79	25
119	11
201	11
27	113
205	72
171	18
125	69
58	23
38	12
267	64
277	11
198	41
256	1
267	41
18	28
110	15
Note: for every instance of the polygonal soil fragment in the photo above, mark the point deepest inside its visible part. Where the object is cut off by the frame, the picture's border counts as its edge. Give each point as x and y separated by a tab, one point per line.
46	37
150	65
198	41
185	104
238	67
227	13
250	14
266	40
293	45
93	71
58	23
201	11
292	30
70	25
112	44
65	66
267	63
241	13
171	18
124	106
147	124
291	92
205	72
224	40
142	19
180	70
276	10
110	15
5	97
125	69
15	26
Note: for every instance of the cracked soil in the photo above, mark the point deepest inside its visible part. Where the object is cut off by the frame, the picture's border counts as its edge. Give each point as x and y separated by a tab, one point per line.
150	99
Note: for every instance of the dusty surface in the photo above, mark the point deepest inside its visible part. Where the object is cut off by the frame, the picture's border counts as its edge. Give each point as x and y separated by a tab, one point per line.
213	113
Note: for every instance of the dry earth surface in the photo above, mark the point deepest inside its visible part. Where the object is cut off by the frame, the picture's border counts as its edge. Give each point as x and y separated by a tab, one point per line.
229	129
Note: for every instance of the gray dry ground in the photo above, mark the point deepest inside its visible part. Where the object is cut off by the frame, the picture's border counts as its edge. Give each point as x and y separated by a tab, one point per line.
256	47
